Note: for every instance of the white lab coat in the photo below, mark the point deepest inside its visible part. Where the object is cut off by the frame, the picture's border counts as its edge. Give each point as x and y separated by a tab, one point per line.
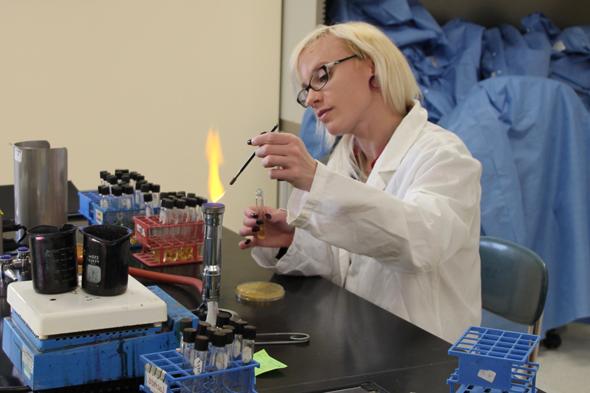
407	240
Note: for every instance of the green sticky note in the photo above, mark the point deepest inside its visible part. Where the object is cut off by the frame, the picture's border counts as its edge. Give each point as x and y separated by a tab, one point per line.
267	363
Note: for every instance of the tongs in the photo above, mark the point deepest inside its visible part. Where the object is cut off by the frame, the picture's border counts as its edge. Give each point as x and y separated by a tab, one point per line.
282	338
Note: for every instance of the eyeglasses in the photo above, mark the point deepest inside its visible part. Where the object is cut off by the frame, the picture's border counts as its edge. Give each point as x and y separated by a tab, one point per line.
318	80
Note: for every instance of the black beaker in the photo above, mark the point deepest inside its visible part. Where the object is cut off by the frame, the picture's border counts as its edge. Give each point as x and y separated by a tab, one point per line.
106	259
53	258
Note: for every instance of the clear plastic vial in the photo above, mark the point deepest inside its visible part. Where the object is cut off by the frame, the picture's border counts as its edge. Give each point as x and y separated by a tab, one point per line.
218	359
166	216
238	331
105	196
181	212
260	211
201	354
149	208
138	194
128	198
112	180
155	189
116	201
249	335
187	344
145	189
103	178
229	344
191	208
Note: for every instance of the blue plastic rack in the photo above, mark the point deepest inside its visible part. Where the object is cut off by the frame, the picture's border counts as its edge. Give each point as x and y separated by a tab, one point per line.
179	377
91	210
494	361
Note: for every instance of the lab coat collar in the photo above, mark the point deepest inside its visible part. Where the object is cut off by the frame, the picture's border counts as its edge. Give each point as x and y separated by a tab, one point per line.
406	133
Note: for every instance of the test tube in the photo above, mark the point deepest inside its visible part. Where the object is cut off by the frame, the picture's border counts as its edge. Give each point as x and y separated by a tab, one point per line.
229	343
223	318
128	197
145	189
187	344
103	177
218	359
104	196
260	211
116	191
125	178
112	180
184	323
238	331
249	335
155	189
149	209
201	354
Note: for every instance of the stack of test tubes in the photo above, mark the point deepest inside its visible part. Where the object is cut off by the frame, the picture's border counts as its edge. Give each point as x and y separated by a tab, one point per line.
120	196
210	358
175	235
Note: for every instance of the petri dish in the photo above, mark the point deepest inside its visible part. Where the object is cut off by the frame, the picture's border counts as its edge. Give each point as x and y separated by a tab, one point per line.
259	291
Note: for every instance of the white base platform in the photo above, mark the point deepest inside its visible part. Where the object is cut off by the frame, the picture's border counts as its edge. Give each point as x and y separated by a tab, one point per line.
78	311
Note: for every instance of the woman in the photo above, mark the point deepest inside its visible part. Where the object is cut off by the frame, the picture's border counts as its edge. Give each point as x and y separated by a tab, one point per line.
394	215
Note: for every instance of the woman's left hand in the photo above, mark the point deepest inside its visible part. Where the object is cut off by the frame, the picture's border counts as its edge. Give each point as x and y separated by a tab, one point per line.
288	159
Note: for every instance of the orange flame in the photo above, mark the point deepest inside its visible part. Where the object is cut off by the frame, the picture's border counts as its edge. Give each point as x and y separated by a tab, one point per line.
215	158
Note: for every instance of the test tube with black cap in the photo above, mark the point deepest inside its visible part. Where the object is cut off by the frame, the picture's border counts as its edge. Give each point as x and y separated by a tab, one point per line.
105	193
218	358
149	209
191	207
125	178
238	332
188	343
248	338
145	189
155	189
128	196
202	328
230	335
116	191
223	318
201	354
184	323
112	180
103	177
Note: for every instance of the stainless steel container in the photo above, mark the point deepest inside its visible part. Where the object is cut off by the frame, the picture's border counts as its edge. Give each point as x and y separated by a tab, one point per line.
40	184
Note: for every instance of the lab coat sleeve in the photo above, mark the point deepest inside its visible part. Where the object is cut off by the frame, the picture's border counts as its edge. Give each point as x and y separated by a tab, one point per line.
307	256
429	223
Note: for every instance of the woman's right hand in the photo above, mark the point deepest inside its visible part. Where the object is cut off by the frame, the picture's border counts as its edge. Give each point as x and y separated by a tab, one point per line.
277	233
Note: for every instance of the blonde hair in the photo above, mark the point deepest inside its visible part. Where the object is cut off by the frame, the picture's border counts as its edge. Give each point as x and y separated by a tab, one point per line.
392	71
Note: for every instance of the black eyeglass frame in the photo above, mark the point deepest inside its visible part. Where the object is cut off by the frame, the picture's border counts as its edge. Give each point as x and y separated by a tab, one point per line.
302	95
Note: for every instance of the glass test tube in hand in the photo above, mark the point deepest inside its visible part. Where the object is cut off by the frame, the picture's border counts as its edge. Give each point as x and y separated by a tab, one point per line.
260	212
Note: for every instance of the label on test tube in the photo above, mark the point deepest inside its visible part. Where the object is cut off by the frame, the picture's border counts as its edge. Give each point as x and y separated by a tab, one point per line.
154	382
197	366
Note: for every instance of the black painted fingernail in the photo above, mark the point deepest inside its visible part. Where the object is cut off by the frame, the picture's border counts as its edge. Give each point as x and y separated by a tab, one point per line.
259	222
255	229
249	142
263	132
254	215
247	241
268	216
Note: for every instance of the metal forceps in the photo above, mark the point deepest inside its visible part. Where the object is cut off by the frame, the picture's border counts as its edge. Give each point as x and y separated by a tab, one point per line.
282	338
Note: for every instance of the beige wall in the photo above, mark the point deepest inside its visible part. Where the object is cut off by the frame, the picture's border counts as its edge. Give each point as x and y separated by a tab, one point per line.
137	84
